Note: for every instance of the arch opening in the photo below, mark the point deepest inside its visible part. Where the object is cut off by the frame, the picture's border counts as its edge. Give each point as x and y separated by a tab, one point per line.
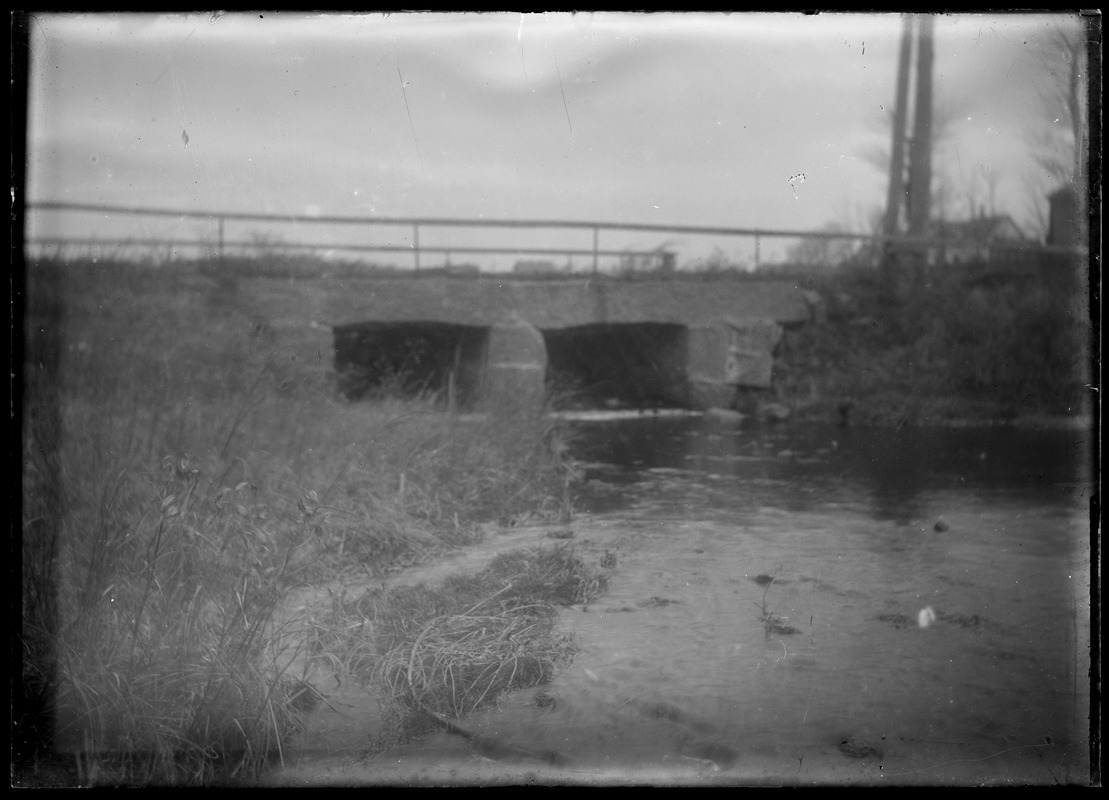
432	359
617	365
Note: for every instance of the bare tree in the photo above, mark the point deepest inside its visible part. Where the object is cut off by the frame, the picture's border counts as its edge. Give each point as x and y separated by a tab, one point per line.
945	118
969	195
1057	133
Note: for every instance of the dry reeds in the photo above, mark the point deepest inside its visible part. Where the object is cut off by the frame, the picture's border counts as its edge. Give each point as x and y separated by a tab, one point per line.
448	651
168	665
460	663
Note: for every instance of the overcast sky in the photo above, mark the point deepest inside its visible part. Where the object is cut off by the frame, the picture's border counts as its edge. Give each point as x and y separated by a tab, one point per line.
736	120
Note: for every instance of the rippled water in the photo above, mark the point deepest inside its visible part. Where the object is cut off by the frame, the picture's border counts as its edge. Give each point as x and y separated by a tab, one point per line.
762	623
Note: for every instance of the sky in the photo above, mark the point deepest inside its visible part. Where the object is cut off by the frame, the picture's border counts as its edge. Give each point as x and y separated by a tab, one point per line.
743	120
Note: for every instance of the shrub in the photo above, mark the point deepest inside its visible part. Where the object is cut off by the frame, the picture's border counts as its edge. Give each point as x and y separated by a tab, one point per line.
956	345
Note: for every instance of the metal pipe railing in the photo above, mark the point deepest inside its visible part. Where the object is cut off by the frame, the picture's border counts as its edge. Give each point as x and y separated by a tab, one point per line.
901	244
58	241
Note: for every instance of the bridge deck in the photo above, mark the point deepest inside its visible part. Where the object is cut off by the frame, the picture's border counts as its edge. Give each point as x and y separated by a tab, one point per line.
547	304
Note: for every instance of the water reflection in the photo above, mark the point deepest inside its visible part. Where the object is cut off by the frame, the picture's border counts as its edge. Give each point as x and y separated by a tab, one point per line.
806	466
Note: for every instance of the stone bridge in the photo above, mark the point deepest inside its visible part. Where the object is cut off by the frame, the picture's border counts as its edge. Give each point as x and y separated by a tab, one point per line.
673	342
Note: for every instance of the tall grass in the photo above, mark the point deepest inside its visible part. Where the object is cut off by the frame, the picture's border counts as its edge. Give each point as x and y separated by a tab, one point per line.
184	469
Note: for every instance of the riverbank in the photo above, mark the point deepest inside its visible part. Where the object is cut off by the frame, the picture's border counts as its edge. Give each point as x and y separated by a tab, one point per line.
188	466
957	347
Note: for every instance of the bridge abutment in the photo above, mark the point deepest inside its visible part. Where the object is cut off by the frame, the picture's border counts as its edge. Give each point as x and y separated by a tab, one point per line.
515	366
726	355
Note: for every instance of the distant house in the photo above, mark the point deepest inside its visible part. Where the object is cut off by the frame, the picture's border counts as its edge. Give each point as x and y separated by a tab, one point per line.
976	239
659	260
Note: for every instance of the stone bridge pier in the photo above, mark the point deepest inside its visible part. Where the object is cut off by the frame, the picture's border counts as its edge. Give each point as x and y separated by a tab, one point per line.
515	368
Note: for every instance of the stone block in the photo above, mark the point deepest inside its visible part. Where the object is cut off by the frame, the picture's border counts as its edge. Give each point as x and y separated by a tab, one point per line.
515	365
750	359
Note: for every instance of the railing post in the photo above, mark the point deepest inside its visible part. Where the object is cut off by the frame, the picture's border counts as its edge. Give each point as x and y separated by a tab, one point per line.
596	237
756	251
219	249
416	243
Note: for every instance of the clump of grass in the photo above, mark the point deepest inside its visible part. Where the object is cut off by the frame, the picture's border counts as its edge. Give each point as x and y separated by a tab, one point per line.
168	666
504	468
450	650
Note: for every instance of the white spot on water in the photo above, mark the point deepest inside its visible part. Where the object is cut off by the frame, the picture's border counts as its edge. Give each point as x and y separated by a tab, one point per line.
925	617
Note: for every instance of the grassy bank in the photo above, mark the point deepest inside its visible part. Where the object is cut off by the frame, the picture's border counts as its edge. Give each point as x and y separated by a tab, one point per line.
954	344
185	464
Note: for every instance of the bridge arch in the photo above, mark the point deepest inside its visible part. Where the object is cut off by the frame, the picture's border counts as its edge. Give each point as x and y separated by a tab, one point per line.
638	344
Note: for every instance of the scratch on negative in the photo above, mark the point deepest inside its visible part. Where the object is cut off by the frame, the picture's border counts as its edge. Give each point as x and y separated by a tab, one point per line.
1004	83
409	111
561	89
520	39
